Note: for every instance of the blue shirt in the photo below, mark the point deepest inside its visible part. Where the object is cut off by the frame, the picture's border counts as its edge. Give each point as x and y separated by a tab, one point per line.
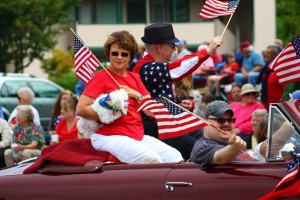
1	113
255	58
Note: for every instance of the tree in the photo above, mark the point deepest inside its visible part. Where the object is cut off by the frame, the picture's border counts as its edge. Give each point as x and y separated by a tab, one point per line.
29	29
60	63
60	68
288	19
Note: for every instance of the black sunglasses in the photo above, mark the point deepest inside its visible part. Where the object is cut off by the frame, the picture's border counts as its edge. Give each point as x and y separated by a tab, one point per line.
123	54
172	45
223	120
251	93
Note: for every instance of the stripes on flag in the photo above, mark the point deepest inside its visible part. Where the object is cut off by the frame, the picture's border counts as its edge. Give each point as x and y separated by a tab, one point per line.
287	64
289	184
85	61
172	121
215	8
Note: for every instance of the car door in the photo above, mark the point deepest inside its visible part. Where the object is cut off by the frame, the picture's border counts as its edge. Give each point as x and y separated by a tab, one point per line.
113	181
240	180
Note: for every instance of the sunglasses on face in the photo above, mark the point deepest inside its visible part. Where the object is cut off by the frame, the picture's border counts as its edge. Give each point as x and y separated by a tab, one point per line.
223	120
172	45
251	93
123	54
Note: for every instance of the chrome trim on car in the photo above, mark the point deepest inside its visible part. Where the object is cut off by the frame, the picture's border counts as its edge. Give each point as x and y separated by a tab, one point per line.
170	186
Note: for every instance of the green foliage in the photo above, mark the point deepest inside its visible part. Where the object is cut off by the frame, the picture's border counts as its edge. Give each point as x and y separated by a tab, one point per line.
288	19
29	28
60	68
60	63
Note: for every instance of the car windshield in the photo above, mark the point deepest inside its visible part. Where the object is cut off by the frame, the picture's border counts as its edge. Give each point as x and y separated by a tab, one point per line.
282	135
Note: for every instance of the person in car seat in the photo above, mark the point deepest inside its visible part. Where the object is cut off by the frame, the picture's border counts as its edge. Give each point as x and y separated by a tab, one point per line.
216	147
111	98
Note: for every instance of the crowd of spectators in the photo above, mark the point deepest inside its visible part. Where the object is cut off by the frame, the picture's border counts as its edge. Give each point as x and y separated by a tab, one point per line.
241	80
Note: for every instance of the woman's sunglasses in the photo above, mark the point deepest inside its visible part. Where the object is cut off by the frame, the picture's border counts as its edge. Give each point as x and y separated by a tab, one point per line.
251	93
123	54
223	120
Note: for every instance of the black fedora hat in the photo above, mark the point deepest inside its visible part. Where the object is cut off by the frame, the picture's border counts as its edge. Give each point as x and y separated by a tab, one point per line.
159	34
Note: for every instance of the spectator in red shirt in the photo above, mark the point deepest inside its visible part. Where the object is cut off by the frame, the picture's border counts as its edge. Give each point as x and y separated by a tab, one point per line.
271	90
228	71
66	128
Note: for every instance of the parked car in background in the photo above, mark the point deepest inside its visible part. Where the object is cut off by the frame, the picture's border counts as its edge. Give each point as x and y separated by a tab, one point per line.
45	92
247	180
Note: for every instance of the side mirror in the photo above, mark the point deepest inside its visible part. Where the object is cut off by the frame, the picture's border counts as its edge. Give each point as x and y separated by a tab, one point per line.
288	152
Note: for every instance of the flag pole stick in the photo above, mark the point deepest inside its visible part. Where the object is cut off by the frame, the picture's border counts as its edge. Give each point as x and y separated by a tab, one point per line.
97	59
205	121
226	25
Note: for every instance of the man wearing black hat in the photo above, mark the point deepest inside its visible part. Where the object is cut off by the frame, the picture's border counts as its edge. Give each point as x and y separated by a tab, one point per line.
216	147
159	76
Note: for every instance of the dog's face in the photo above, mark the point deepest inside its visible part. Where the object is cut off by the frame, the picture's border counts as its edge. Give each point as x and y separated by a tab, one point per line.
119	98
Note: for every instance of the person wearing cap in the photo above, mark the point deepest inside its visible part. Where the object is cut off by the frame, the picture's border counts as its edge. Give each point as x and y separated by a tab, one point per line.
159	75
244	109
253	62
216	147
181	49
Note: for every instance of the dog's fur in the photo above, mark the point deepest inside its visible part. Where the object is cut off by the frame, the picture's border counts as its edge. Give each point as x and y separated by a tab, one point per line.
87	127
106	116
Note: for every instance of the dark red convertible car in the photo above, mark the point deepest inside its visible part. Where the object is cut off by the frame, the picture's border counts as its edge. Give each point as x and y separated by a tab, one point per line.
239	180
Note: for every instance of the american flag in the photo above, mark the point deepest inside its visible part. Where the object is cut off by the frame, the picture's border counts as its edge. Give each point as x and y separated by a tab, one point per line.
56	120
289	186
85	61
172	121
215	8
287	64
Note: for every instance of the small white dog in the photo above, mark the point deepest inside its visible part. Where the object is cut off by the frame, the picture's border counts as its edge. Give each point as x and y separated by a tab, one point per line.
109	107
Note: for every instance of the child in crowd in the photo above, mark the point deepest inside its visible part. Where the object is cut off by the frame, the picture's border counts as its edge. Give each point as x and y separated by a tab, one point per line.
226	74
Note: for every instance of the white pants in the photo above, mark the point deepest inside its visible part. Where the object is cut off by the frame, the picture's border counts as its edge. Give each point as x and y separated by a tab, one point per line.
128	150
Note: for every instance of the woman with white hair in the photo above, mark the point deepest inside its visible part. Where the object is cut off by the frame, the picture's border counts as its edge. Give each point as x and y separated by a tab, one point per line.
25	97
28	139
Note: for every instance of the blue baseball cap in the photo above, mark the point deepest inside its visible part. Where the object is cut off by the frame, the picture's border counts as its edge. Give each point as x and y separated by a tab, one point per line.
296	94
180	42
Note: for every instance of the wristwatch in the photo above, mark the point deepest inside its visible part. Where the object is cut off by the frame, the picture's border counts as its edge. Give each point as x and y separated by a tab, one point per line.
140	98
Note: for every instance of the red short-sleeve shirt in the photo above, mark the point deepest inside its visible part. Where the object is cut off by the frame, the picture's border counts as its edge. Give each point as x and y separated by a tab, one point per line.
63	132
129	125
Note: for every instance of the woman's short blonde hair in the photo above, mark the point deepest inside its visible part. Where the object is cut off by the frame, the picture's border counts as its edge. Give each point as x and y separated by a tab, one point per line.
26	94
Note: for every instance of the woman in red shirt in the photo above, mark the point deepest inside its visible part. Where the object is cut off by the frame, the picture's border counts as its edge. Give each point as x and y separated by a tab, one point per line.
123	136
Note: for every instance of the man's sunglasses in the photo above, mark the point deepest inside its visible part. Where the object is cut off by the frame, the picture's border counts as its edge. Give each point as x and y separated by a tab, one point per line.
123	54
172	45
223	120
